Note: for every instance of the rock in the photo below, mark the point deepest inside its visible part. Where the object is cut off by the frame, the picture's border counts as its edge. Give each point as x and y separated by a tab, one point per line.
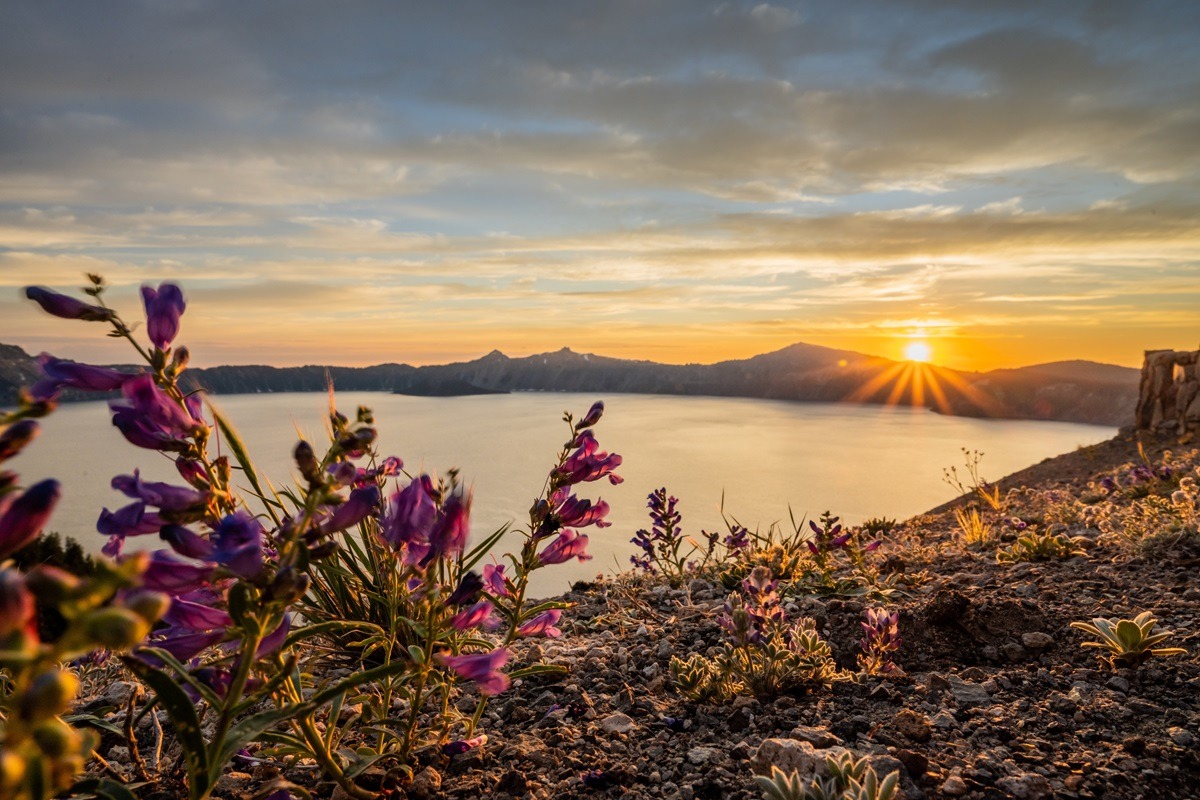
1026	786
792	755
118	693
702	755
943	721
232	782
954	786
912	725
617	723
916	764
1013	651
817	737
966	693
1119	684
1037	640
1181	736
885	765
427	784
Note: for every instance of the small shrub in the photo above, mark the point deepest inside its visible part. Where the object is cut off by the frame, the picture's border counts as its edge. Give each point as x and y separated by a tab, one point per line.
1032	545
976	485
881	640
975	530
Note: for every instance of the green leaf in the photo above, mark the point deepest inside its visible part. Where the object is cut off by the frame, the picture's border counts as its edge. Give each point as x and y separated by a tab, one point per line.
238	448
1129	635
104	788
326	628
183	716
476	553
539	669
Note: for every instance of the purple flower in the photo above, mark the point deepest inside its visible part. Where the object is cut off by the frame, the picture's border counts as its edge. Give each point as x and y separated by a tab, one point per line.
16	436
183	643
172	575
60	305
343	473
186	542
479	614
360	505
449	535
149	418
493	579
238	542
572	512
467	590
592	416
192	471
483	668
588	463
410	514
163	495
164	306
63	374
22	519
738	538
543	625
197	616
567	545
130	520
460	746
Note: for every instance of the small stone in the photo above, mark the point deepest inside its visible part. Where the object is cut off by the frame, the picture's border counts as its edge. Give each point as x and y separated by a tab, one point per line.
232	782
817	737
912	725
943	720
966	693
1119	684
954	786
1181	736
617	723
1026	786
426	784
1036	640
701	755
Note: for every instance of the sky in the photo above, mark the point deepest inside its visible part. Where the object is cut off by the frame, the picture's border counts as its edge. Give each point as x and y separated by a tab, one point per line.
676	180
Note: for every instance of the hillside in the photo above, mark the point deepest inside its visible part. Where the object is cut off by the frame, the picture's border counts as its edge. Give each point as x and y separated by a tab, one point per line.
1073	391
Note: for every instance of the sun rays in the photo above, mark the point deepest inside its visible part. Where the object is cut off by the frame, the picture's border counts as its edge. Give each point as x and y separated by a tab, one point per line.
920	385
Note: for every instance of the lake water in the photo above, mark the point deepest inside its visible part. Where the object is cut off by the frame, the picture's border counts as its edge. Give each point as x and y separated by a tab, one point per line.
858	461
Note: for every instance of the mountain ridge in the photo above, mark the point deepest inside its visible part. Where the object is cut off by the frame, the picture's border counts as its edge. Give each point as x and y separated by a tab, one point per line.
1072	391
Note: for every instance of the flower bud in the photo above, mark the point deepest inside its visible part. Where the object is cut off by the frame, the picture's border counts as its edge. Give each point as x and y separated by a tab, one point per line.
289	585
60	305
306	461
115	628
52	585
323	550
180	359
57	739
592	417
12	772
150	606
25	517
50	695
16	436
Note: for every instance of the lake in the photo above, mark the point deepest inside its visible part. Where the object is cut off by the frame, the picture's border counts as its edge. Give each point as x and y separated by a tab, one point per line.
858	461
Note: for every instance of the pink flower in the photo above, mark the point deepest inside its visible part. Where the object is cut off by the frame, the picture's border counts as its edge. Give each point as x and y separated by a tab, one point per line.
483	668
543	625
569	544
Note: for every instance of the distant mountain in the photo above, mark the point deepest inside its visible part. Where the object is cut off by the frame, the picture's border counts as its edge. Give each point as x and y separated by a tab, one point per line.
1074	391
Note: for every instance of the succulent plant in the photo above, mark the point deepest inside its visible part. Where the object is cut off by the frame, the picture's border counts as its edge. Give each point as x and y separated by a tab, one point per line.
1129	642
1035	546
849	778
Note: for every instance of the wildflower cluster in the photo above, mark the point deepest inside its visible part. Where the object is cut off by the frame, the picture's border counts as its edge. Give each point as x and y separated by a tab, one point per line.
1155	523
666	550
765	654
975	485
880	642
236	571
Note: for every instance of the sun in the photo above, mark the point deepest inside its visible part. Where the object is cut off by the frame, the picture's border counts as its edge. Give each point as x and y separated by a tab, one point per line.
918	351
